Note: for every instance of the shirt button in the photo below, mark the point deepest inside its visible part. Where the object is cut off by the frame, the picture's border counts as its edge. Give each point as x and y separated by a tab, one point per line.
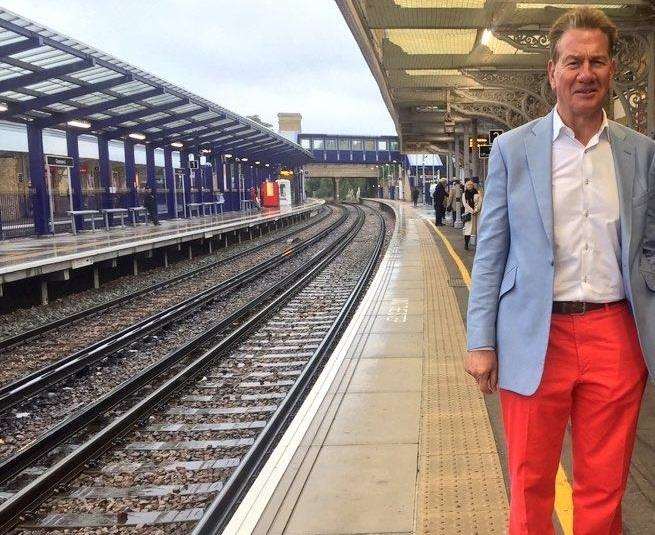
586	181
586	213
585	279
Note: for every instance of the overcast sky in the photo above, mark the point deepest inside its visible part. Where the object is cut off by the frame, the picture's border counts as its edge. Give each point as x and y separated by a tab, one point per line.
250	56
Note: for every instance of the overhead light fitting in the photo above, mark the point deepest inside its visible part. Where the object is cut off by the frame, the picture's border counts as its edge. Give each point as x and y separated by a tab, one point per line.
244	159
486	36
206	151
257	163
134	135
3	106
74	122
227	155
177	144
267	165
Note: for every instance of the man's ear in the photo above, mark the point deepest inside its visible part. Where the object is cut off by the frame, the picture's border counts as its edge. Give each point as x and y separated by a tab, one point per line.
550	68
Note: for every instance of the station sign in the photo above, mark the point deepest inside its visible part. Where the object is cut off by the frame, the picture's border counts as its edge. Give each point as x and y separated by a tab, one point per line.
193	164
58	161
493	134
484	151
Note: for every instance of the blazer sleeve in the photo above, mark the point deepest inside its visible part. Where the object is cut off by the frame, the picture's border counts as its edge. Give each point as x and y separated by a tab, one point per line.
649	235
491	255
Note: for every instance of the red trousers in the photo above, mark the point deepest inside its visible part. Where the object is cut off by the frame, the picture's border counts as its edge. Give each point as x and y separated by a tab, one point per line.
595	376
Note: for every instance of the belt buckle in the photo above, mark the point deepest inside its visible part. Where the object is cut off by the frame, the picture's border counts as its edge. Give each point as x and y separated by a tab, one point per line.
579	308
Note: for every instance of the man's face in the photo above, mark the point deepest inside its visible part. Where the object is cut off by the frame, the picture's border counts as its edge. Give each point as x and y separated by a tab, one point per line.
582	74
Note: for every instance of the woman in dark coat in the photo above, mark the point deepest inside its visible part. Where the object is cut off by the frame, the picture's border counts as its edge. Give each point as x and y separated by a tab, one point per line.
439	202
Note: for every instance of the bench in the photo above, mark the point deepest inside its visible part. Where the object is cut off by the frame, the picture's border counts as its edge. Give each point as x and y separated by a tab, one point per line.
194	206
135	211
73	213
120	212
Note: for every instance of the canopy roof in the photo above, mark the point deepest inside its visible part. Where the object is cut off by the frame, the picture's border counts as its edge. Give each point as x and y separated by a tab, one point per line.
476	59
48	79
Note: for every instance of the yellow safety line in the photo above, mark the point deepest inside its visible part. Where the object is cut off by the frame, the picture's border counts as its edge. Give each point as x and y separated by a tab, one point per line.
563	490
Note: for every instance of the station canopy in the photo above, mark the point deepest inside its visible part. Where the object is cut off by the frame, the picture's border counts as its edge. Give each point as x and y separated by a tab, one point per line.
52	81
442	63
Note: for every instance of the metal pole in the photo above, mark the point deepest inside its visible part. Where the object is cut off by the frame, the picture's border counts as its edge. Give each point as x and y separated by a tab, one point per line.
50	199
650	90
474	154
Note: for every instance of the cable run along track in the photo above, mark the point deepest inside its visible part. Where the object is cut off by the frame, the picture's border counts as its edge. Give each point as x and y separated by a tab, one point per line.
207	427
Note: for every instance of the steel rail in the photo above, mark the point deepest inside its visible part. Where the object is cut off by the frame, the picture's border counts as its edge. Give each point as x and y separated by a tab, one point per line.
73	463
218	514
82	314
46	377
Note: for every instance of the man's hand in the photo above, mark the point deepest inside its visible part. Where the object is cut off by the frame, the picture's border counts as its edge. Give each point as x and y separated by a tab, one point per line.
482	364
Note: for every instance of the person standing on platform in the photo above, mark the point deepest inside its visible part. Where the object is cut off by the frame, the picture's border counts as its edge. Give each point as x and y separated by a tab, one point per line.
439	202
150	203
415	194
472	207
561	313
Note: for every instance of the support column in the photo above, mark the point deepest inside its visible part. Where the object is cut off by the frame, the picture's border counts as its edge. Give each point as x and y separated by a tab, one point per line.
150	168
184	164
467	153
169	174
40	195
75	183
650	88
474	151
130	173
104	169
219	166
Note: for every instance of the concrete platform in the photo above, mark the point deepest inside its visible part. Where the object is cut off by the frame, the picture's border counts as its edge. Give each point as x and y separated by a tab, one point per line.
394	436
22	258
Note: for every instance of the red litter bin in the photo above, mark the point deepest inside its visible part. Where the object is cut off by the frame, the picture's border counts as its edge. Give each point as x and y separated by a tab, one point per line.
270	194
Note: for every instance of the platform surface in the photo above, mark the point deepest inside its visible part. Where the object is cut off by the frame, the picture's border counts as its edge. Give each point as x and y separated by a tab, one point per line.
395	437
26	255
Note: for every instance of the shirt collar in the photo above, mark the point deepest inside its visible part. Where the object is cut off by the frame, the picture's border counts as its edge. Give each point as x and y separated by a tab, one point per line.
559	126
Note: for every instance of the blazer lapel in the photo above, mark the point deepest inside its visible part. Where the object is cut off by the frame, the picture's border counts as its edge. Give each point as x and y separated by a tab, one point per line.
538	146
624	166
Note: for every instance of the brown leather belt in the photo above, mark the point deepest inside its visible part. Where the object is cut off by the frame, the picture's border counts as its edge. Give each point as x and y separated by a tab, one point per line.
580	307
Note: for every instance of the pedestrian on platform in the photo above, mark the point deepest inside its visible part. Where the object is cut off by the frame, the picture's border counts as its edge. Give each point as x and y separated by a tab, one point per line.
415	194
150	203
561	313
439	202
472	206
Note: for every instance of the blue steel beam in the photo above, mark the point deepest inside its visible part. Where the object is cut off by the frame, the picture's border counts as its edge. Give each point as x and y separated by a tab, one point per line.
130	172
21	46
84	111
160	122
222	133
15	83
40	206
73	151
132	116
104	170
164	134
46	100
169	175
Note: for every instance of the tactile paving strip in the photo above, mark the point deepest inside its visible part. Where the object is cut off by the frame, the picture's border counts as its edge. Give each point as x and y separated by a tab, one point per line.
461	488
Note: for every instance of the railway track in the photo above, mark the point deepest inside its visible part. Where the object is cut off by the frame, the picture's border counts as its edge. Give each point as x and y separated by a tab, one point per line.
44	420
46	376
206	427
30	334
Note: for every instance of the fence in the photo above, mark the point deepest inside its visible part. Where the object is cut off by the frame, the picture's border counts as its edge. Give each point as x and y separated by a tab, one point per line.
16	215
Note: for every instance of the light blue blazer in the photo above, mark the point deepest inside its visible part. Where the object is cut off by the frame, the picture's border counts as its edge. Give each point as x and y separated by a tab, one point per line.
513	273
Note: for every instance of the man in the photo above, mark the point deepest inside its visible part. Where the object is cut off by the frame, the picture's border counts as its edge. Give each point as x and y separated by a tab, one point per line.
439	201
562	307
415	194
150	203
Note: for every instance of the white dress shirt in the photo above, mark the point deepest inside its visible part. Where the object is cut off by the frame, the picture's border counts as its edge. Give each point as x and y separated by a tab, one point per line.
586	217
